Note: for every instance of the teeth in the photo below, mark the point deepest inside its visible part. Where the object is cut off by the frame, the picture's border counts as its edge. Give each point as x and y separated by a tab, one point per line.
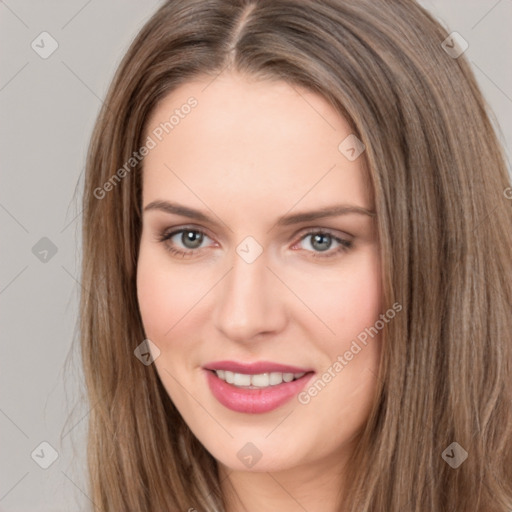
275	378
241	379
261	380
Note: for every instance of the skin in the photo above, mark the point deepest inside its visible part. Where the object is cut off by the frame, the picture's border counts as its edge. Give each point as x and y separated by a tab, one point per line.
250	152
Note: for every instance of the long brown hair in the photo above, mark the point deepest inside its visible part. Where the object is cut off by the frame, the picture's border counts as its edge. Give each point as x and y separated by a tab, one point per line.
444	218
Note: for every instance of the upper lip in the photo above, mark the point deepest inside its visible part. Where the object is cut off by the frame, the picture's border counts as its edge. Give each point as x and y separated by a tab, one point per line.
254	368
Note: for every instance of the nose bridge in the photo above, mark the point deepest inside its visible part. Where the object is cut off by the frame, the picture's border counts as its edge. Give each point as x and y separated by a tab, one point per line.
247	304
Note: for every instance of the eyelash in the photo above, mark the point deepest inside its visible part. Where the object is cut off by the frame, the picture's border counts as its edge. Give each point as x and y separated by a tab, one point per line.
345	245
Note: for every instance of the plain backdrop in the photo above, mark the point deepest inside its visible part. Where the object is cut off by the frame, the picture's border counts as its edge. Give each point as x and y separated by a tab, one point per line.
47	110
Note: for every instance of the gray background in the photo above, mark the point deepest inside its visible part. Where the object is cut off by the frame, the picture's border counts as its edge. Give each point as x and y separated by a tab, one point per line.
48	107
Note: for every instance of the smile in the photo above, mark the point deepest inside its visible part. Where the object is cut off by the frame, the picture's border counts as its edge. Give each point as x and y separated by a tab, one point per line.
255	388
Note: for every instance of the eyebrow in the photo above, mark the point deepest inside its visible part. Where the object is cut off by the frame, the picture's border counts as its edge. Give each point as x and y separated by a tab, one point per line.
285	220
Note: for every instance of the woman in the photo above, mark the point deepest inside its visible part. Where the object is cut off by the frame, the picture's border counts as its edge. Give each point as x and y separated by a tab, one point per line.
250	350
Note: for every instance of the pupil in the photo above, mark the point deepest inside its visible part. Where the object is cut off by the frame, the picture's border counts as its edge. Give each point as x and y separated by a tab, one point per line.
324	242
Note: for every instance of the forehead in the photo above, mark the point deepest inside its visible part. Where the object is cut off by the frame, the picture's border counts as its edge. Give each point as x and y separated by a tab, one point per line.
247	139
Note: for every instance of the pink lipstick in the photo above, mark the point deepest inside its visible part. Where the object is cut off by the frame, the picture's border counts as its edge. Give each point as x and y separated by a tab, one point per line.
255	388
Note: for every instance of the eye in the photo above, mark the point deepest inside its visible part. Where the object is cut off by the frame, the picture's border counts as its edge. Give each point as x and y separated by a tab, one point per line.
190	240
187	241
321	241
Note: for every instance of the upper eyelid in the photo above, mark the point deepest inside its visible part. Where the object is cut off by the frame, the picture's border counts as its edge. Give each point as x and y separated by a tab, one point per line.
174	231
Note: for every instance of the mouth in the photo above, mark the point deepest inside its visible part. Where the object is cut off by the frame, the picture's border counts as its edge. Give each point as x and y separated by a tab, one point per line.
247	388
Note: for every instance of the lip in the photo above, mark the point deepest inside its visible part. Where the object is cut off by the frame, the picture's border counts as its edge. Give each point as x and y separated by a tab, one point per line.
255	368
255	401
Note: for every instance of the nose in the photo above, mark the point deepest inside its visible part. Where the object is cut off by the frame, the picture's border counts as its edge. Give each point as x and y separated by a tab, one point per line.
249	301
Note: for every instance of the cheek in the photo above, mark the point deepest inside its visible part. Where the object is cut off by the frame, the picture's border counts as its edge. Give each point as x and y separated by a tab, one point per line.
154	302
165	293
362	301
348	301
160	303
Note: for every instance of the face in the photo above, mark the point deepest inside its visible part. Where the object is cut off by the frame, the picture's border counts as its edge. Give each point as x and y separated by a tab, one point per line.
243	285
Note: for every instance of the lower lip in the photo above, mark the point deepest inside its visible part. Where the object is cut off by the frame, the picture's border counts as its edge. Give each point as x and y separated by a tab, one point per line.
254	401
